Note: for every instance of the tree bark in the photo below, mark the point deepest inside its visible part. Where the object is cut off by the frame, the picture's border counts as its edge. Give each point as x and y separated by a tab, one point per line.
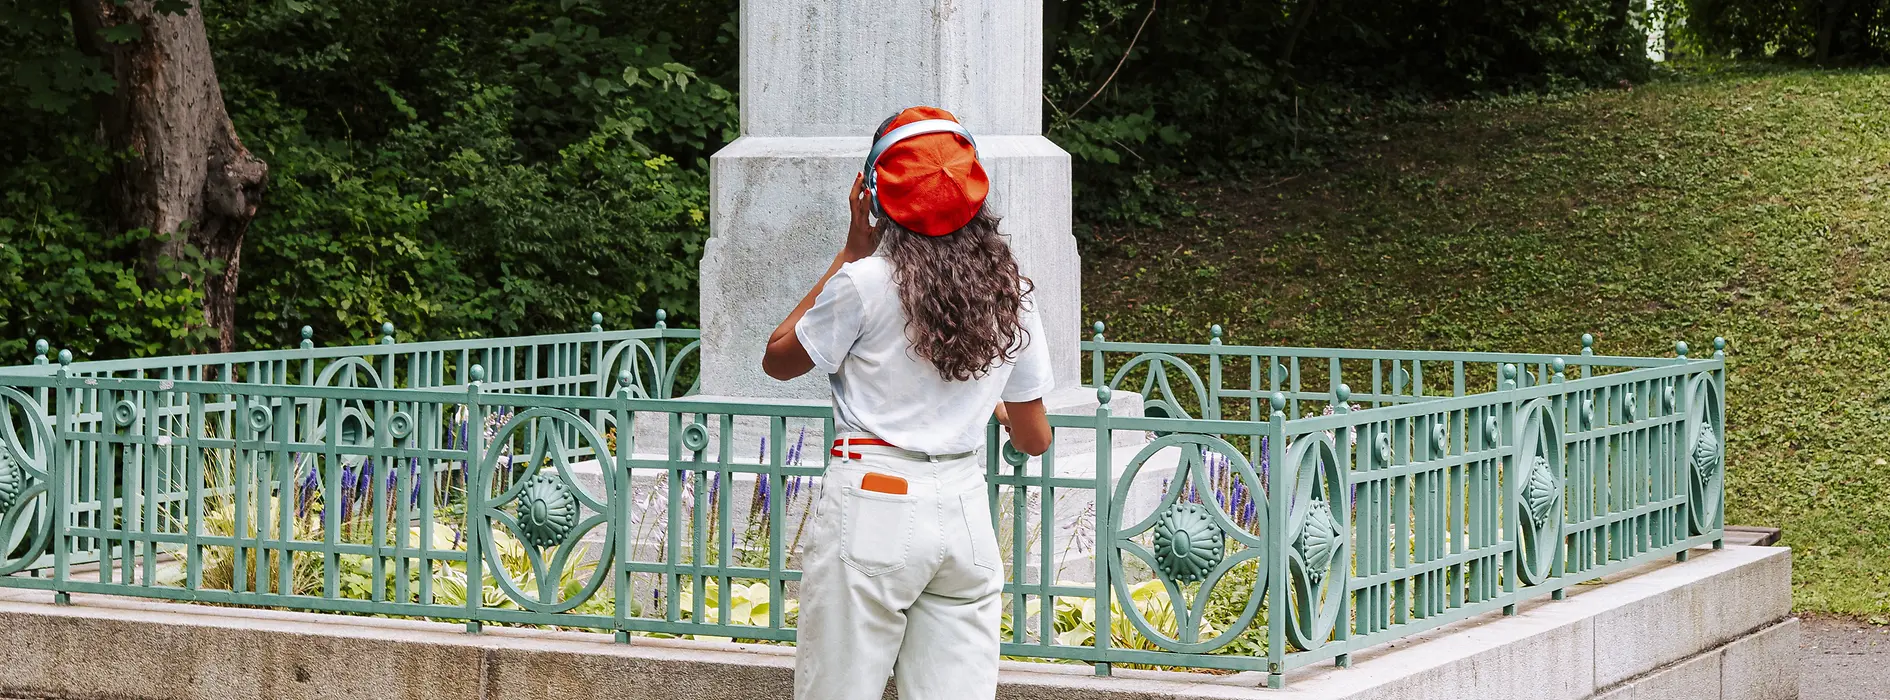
1827	29
189	178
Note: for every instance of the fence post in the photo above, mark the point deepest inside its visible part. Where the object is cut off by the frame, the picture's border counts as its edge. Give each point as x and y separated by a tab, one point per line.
1512	557
1211	404
620	578
1559	410
58	459
475	499
1343	440
661	382
1719	419
1279	486
1105	523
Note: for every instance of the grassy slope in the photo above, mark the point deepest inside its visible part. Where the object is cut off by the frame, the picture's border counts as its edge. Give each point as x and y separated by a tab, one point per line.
1750	205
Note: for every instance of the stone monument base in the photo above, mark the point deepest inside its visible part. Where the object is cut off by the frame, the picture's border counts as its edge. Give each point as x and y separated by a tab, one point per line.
1717	627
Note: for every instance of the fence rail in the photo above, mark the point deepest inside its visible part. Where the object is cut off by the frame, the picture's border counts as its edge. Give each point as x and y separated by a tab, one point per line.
1264	523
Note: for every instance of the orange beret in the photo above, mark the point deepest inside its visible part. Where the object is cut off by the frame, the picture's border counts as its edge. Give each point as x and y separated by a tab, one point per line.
930	183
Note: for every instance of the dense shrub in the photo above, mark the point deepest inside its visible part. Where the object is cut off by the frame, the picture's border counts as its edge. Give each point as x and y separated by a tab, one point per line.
456	168
1142	91
498	168
1822	30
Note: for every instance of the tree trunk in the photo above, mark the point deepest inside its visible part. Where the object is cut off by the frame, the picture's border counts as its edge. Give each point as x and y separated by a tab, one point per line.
1827	29
188	174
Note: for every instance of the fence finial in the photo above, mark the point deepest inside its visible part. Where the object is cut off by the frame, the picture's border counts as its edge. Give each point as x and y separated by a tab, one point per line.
1279	403
478	373
1680	349
42	347
1509	375
1344	395
662	318
1588	343
1216	332
597	322
308	337
387	333
1719	348
1558	364
623	379
1099	331
65	357
1102	396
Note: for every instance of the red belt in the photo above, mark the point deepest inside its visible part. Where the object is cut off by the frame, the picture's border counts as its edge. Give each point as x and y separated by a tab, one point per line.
849	442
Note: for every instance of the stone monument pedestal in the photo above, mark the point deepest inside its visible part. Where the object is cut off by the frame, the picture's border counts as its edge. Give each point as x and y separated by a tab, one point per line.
817	77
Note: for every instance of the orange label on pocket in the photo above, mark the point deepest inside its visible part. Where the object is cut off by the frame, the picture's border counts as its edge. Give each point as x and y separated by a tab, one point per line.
883	483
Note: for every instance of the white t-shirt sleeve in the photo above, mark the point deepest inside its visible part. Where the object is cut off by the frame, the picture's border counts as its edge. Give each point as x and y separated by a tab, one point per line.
829	329
1030	377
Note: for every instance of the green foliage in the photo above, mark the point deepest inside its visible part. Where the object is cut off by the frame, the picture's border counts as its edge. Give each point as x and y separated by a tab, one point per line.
1753	205
458	169
356	574
496	168
1141	92
65	278
1852	31
64	274
1074	620
483	171
749	604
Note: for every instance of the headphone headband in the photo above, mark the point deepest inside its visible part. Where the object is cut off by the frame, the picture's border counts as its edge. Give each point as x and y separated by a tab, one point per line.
918	128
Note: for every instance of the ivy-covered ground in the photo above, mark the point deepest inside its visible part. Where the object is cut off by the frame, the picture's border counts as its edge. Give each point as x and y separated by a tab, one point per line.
1748	203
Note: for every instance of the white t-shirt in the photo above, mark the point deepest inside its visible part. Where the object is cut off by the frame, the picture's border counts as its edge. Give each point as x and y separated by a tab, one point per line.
856	333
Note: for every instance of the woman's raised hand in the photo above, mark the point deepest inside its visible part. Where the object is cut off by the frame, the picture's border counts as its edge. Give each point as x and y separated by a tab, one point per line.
862	235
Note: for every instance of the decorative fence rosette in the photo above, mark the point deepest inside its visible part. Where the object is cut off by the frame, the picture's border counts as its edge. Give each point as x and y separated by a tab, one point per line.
538	501
1705	456
1190	542
1319	559
1535	481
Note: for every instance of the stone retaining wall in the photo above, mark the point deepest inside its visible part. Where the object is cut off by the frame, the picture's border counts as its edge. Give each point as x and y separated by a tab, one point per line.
1716	627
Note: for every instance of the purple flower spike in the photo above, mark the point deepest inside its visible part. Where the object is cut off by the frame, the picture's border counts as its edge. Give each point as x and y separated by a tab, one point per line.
364	480
413	495
794	455
306	493
347	492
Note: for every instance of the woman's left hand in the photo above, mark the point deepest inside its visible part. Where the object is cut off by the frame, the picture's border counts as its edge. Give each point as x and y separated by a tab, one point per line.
862	235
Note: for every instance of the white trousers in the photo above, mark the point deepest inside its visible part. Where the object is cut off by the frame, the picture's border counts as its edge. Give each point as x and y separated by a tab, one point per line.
906	585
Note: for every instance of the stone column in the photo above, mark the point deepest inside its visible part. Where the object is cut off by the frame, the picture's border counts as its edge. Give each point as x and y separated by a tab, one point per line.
817	76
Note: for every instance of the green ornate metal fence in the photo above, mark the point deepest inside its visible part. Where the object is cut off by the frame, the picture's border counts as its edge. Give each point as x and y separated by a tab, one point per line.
1263	515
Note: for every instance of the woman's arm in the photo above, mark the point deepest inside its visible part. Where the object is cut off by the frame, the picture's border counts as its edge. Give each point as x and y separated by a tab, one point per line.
785	358
1030	428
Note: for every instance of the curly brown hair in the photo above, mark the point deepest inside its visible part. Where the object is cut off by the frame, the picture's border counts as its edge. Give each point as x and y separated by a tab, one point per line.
962	294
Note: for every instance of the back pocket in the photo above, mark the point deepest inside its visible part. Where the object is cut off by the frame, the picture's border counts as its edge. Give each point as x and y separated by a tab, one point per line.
984	544
876	529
